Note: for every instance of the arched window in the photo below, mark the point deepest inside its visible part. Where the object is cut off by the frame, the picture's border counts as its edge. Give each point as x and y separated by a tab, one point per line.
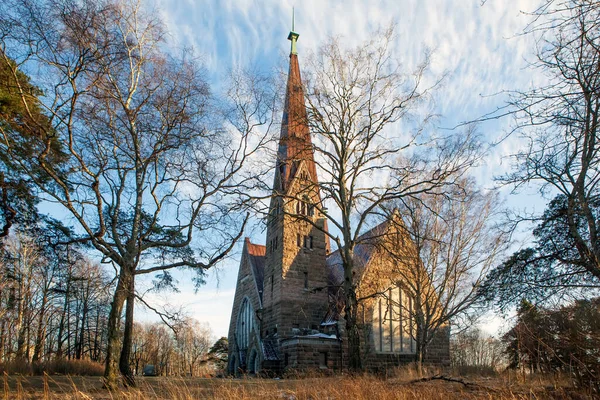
393	323
304	207
245	324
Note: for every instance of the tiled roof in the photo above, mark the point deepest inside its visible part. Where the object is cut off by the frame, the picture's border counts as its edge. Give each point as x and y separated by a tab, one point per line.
362	253
257	250
269	348
256	256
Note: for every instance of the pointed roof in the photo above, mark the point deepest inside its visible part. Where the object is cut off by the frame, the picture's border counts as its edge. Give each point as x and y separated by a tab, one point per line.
256	256
255	250
363	251
295	144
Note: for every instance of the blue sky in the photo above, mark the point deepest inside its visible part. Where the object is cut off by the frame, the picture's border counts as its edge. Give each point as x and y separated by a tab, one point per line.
479	46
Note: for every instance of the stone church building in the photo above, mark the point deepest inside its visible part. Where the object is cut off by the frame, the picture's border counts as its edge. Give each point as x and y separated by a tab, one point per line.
286	311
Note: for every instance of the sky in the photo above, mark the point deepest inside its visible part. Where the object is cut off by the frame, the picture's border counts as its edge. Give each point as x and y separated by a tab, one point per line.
477	45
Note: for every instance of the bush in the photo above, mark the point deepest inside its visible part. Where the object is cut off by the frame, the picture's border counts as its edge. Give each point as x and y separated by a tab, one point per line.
70	367
16	368
54	367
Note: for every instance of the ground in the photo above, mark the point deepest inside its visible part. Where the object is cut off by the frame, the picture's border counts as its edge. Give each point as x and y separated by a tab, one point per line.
336	387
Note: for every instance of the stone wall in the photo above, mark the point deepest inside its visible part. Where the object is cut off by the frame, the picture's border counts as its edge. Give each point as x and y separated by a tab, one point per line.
310	353
438	351
295	294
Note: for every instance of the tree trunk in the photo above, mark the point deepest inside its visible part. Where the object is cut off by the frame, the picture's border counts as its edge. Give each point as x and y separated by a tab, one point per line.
354	358
2	339
421	335
28	337
21	325
96	352
76	333
111	378
84	312
124	366
41	329
61	325
351	312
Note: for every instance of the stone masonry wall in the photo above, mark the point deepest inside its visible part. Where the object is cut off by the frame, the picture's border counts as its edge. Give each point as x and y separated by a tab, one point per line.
304	353
295	267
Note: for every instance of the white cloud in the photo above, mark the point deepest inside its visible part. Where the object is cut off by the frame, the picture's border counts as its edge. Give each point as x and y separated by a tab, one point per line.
477	45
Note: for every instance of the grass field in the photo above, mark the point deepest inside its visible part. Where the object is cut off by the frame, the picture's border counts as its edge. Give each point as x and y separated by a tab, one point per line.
338	387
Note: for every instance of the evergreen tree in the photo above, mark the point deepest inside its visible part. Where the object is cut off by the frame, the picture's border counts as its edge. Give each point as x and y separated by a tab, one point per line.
25	129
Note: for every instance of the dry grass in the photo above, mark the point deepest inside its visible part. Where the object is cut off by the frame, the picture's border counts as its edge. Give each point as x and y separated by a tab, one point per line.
335	387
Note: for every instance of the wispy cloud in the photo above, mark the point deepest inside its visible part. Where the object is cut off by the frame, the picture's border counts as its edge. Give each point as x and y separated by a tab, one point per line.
479	47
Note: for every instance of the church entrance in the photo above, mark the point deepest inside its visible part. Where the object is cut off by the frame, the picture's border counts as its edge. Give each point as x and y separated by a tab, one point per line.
231	368
253	362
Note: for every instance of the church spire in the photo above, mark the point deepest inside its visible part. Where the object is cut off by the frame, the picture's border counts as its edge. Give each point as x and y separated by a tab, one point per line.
295	146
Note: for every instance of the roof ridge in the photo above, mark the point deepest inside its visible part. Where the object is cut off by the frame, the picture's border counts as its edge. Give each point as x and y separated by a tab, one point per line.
255	249
363	236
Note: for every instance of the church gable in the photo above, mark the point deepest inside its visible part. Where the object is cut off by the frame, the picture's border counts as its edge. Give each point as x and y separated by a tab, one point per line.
364	251
387	304
248	299
255	254
303	186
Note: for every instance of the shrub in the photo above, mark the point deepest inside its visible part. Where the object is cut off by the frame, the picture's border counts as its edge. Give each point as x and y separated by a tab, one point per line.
70	367
54	367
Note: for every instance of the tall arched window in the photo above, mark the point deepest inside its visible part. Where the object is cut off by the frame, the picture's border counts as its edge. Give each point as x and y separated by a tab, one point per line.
393	323
245	324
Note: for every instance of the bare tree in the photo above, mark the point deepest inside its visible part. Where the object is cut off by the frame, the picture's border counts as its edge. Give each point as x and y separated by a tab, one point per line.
152	183
558	123
368	148
453	241
182	351
474	348
54	306
23	258
194	342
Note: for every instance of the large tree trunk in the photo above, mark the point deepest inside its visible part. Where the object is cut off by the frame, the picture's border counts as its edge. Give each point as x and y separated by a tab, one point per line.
419	356
354	356
124	365
113	345
351	312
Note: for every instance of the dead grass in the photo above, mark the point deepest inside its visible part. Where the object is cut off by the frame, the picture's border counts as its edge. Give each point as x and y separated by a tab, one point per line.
335	387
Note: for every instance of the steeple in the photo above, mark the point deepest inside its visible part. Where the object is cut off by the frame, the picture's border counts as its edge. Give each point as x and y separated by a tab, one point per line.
295	144
297	247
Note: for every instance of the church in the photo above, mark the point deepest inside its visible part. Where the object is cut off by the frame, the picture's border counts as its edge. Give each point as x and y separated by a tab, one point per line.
287	311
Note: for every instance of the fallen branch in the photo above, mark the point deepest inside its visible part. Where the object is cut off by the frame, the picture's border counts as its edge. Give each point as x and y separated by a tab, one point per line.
450	379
